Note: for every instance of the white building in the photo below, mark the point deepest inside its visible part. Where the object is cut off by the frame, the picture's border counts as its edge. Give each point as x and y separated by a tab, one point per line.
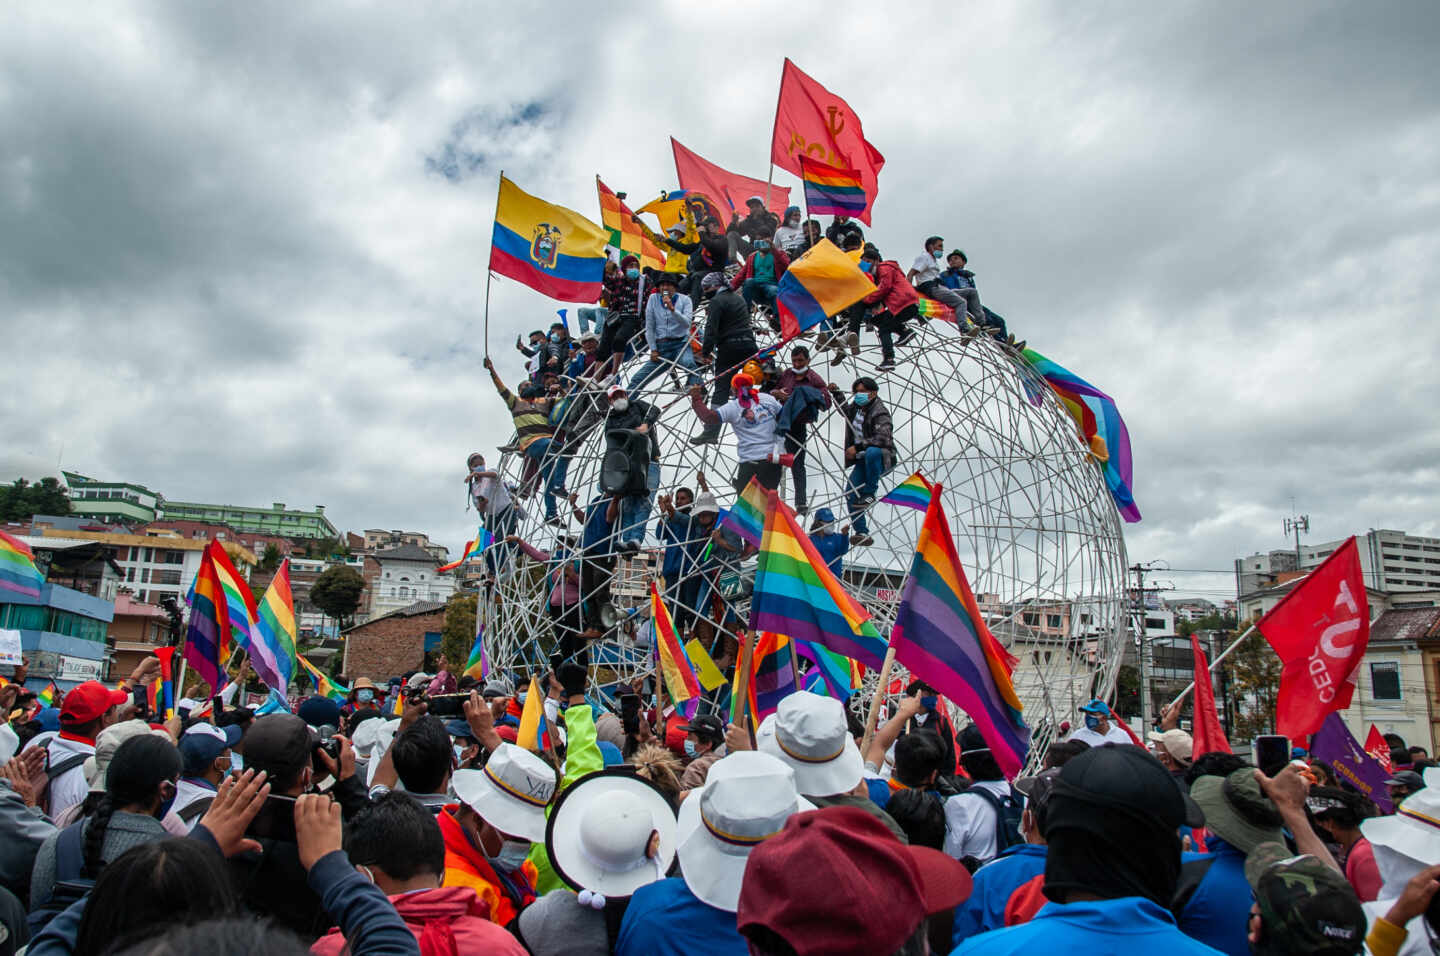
1391	561
406	575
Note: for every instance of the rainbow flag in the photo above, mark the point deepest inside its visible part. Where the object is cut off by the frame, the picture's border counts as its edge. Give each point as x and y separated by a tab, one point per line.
913	492
17	567
626	234
831	191
242	612
934	309
837	675
209	624
680	681
473	549
478	665
940	635
47	696
747	516
534	732
1101	428
796	594
554	250
324	686
276	625
774	678
817	285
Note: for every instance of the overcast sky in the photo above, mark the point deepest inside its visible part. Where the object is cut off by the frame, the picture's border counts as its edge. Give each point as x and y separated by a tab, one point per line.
242	247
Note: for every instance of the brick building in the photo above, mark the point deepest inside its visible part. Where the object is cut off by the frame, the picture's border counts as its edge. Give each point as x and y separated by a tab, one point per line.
394	643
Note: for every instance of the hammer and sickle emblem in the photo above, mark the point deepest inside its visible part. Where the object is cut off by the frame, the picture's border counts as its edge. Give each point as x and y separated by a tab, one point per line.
837	120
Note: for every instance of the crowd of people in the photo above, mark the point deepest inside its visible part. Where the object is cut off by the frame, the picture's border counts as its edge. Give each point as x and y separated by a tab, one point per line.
340	829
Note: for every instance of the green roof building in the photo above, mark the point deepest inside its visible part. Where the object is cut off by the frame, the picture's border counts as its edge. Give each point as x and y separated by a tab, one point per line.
112	502
276	520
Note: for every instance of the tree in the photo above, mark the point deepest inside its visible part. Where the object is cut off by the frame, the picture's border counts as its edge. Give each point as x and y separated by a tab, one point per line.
1254	674
270	560
337	592
458	633
21	499
1127	690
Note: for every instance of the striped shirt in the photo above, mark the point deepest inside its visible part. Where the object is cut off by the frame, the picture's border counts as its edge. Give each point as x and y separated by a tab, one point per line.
531	418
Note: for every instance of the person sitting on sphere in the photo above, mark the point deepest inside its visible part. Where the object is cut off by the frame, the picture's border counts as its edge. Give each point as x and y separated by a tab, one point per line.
753	415
893	303
622	292
759	222
925	273
595	315
759	280
869	449
844	229
667	331
790	237
709	254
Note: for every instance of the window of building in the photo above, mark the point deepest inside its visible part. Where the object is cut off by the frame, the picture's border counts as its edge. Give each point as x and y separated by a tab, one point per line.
1385	680
1031	619
1052	620
174	557
165	577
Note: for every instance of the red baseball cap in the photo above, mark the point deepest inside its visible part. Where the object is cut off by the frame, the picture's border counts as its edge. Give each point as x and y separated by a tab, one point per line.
88	701
813	884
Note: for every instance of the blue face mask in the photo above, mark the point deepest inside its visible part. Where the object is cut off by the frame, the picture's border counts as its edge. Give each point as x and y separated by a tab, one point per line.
761	245
690	750
632	273
364	696
554	336
1092	721
938	254
865	266
862	399
929	702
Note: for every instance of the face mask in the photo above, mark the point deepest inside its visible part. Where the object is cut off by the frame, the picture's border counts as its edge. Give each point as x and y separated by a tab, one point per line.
761	245
865	266
794	222
512	854
862	399
938	254
554	336
1092	721
459	753
929	702
620	404
520	698
237	762
800	365
365	695
825	528
632	273
690	750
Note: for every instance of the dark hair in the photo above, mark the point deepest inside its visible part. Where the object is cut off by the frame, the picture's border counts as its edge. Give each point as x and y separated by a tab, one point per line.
1214	764
240	717
867	383
981	765
935	239
920	815
853	242
1395	741
1419	750
231	936
151	887
397	835
1325	769
799	350
133	776
1063	751
422	755
917	755
957	252
871	253
1352	808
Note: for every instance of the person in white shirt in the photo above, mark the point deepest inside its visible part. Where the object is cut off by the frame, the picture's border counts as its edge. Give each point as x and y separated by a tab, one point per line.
1099	728
973	821
205	752
925	274
753	415
87	709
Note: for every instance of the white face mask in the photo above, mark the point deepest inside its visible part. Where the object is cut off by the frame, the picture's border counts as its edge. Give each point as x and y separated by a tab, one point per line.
620	404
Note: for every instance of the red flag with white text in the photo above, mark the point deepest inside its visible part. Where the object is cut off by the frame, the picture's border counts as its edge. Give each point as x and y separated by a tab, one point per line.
1320	630
1378	747
811	121
1207	736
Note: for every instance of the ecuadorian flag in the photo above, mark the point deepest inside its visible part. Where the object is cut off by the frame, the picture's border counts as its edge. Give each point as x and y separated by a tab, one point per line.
551	249
818	285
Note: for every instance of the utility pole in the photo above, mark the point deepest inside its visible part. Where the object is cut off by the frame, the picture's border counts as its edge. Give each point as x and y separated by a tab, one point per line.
1142	643
1297	524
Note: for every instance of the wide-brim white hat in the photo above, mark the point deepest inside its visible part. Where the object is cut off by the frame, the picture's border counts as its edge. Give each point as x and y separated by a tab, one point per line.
746	799
810	736
1413	830
600	830
510	793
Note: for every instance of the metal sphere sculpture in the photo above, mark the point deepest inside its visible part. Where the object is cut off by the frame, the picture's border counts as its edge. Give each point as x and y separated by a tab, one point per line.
1035	526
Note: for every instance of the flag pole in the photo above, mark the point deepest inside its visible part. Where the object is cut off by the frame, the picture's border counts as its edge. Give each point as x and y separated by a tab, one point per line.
775	128
488	272
880	686
1223	654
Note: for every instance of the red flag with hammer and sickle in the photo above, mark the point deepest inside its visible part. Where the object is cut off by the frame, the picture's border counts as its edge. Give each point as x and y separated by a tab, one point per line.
1320	630
812	121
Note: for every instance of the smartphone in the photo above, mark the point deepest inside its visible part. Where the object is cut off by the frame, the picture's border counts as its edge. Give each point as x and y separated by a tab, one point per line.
1270	752
275	821
630	712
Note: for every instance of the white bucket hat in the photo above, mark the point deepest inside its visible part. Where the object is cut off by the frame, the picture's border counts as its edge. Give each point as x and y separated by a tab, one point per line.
746	799
510	793
1413	830
809	734
599	833
107	743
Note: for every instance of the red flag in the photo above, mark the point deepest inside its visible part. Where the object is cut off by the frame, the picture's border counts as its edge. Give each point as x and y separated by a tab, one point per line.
729	189
812	121
1209	737
1320	630
1378	747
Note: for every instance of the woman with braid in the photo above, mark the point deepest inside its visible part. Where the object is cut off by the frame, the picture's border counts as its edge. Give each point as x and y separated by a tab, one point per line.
139	788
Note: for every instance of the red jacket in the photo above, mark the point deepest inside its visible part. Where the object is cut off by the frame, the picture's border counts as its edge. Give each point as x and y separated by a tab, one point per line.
892	289
433	915
782	262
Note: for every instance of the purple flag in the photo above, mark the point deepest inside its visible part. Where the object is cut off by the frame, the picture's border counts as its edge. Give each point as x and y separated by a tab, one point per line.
1334	744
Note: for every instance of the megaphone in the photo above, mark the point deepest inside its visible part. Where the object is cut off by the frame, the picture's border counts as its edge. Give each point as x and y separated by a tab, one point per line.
610	615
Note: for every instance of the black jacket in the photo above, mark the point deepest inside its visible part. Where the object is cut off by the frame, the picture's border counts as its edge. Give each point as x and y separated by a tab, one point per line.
636	414
727	320
757	226
838	232
875	427
714	251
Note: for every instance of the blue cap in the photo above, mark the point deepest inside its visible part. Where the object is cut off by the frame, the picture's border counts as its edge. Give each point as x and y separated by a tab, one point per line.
459	728
1297	753
1096	706
203	742
824	515
317	711
49	718
611	754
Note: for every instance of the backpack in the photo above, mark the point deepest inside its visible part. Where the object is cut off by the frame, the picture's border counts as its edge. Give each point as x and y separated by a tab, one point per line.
58	770
70	882
1007	816
193	811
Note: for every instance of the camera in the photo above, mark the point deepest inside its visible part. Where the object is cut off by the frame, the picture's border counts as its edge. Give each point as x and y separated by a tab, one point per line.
444	705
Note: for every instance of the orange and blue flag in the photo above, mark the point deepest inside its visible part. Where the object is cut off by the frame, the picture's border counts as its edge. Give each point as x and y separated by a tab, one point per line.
940	635
817	285
554	250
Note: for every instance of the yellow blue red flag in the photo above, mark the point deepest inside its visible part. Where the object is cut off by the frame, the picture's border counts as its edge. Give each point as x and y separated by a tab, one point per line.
817	285
553	250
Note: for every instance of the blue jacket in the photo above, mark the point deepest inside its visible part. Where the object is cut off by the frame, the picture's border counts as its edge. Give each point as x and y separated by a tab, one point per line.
958	279
673	532
833	548
1217	913
665	919
1130	924
994	883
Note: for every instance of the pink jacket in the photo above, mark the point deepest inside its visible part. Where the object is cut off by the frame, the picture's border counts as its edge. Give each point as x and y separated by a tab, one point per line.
436	916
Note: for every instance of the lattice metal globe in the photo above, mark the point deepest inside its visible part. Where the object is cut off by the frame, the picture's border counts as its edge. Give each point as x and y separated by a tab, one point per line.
1036	529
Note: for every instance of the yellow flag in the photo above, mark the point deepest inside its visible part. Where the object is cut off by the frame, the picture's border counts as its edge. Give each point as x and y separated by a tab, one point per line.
705	668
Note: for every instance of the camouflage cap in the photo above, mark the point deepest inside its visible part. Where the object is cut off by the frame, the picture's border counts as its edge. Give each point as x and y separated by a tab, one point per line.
1305	906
